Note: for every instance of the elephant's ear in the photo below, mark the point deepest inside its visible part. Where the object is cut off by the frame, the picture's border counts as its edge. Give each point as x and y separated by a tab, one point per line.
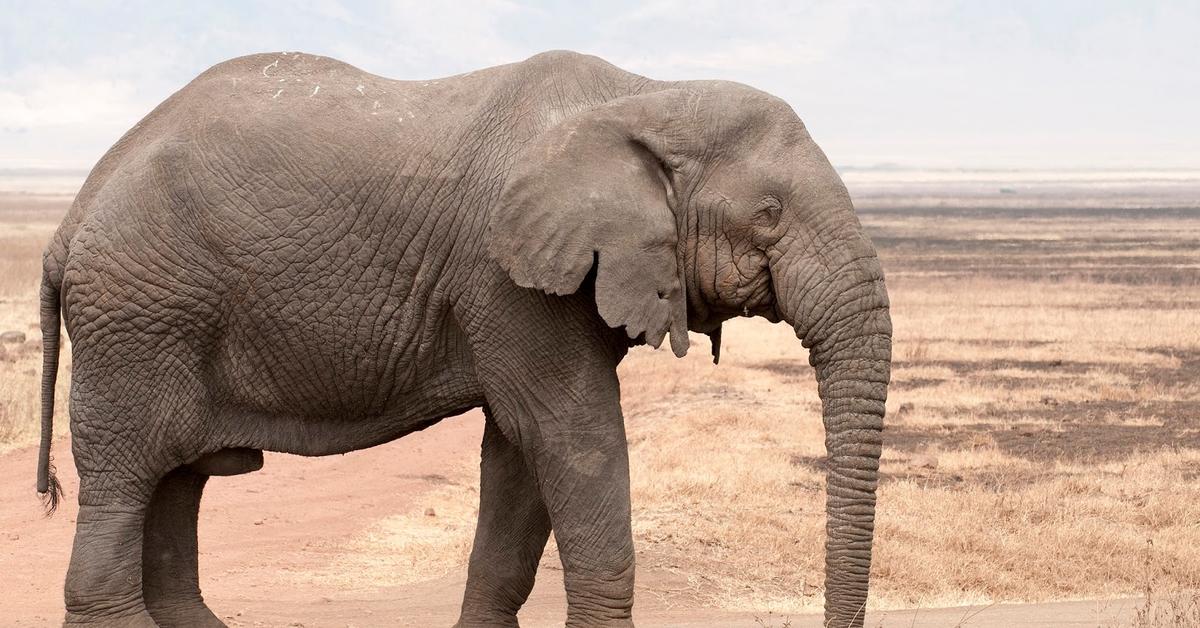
597	190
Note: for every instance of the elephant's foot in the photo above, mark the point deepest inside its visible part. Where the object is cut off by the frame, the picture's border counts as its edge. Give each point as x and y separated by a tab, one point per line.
140	619
185	616
499	621
510	621
575	622
599	623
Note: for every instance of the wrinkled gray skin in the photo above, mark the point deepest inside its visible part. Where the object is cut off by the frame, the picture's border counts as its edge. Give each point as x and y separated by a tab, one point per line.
293	255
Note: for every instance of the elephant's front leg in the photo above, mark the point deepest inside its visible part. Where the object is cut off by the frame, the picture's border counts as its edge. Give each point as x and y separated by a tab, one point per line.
584	480
512	532
554	393
582	466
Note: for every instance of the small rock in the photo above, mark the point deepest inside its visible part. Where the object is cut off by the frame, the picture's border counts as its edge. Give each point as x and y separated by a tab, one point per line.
259	522
14	537
904	408
429	512
925	461
12	336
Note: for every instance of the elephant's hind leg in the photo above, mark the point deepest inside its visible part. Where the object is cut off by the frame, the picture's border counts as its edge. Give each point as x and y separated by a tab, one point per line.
104	580
509	540
135	536
170	565
170	568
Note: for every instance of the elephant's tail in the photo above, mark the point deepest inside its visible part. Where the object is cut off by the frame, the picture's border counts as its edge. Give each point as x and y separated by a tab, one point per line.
47	482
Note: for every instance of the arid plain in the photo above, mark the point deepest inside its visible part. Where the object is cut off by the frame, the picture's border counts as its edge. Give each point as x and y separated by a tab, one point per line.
1042	440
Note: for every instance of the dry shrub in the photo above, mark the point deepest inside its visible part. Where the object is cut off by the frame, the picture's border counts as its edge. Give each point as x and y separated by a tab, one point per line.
1179	610
1172	608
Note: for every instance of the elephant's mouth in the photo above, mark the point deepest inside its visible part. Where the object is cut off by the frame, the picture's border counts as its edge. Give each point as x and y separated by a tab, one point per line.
771	312
758	300
767	310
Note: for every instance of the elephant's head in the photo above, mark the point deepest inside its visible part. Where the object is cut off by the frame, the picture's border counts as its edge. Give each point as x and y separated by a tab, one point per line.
701	202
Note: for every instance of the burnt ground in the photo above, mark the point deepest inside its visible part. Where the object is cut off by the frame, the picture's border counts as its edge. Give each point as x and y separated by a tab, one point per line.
1131	247
1087	430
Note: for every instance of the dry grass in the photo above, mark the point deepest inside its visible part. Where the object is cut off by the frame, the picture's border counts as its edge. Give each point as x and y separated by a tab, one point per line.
430	541
1043	432
26	224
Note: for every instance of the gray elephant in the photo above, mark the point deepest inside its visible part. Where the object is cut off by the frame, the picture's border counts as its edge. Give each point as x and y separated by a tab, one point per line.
291	254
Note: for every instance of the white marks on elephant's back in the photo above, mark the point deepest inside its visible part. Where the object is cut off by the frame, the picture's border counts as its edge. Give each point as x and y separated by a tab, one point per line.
293	71
315	79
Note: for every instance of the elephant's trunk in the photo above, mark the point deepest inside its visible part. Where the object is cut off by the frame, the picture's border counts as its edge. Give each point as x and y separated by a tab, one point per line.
841	313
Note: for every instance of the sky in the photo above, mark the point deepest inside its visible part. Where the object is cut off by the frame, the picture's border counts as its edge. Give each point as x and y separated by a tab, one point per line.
920	84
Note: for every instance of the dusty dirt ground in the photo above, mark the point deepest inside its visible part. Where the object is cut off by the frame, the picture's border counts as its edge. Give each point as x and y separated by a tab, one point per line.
1042	444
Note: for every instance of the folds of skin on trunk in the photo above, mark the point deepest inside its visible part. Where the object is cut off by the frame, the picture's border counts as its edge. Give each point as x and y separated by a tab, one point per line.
842	316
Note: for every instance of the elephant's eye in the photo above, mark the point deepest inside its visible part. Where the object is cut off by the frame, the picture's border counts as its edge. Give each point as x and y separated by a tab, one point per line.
767	212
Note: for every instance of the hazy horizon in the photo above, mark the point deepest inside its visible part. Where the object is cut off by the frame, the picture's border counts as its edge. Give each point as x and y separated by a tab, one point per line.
909	85
1147	187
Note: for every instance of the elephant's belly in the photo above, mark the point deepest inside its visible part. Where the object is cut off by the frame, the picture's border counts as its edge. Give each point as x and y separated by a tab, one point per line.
326	433
300	395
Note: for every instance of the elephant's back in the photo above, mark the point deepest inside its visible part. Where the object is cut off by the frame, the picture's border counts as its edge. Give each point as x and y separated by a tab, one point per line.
257	144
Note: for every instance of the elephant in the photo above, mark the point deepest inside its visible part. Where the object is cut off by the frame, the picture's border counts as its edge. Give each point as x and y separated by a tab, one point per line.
293	255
